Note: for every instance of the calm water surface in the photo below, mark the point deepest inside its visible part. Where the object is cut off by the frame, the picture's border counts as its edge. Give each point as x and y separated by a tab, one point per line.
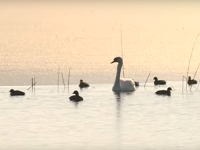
47	120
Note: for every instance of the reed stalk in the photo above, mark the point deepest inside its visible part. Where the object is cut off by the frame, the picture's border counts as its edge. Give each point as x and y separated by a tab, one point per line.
68	77
34	83
191	54
58	77
196	71
122	53
182	84
191	58
147	80
198	85
183	81
63	80
31	86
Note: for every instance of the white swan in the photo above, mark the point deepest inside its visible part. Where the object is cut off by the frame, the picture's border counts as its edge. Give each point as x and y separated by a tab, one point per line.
123	84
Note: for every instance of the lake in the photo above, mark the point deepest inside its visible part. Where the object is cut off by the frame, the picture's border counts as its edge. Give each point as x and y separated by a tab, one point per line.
141	120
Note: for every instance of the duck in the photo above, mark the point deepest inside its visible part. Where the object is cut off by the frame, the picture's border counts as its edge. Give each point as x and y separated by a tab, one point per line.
16	93
164	92
137	83
191	81
159	82
83	84
76	97
122	84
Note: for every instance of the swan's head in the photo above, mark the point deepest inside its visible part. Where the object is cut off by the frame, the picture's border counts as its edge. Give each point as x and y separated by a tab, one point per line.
117	59
169	89
75	92
81	81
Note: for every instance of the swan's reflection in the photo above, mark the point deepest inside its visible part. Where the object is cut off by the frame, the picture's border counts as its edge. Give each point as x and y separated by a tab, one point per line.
119	96
118	119
119	99
118	104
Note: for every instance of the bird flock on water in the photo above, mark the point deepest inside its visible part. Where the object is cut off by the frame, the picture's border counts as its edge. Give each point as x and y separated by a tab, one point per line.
120	84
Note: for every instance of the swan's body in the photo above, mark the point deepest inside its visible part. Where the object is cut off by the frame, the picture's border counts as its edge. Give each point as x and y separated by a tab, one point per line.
159	82
16	93
76	97
123	84
83	84
164	92
191	81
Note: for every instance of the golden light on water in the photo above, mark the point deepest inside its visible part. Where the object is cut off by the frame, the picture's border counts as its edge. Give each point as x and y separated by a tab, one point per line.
37	38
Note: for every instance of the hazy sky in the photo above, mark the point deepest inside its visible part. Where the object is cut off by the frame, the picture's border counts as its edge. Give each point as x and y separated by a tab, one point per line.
37	38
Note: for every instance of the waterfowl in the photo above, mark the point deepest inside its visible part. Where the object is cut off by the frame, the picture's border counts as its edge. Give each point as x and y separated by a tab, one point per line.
122	84
76	97
164	92
137	83
16	93
83	84
159	82
191	81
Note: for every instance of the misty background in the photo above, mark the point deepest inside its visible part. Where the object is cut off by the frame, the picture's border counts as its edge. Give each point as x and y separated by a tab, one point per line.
38	38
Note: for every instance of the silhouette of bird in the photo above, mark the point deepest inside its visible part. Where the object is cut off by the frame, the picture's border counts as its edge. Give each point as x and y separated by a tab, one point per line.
122	84
191	81
164	92
159	82
83	84
16	93
137	83
76	97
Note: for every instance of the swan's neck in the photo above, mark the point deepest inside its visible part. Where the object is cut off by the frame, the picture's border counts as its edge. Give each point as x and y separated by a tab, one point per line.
117	79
